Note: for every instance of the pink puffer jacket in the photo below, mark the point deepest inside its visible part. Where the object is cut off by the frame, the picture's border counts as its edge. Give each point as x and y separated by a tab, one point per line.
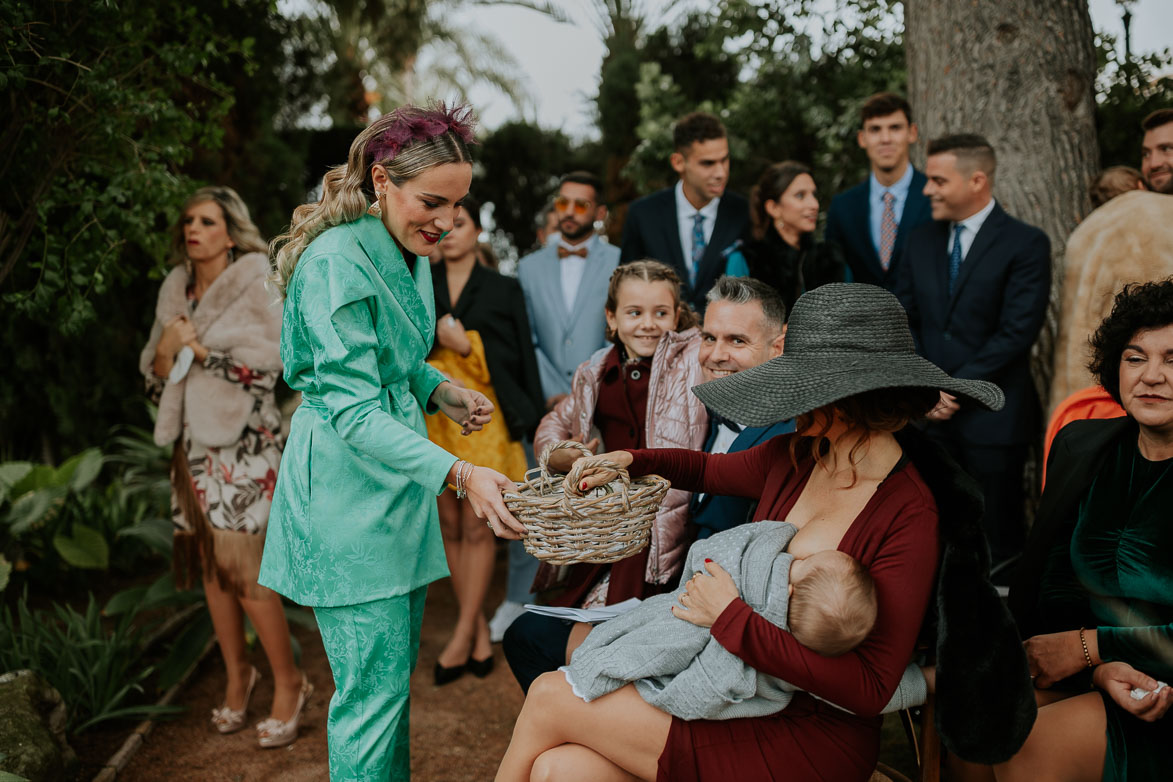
675	419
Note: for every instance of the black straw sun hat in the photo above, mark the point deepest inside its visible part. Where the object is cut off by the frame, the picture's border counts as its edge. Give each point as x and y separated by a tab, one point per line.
842	339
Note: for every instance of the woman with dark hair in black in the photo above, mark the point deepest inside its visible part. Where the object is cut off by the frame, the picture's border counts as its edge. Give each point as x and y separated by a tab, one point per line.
483	341
784	209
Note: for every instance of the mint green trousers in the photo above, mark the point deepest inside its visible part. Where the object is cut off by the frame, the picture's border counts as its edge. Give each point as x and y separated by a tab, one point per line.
372	649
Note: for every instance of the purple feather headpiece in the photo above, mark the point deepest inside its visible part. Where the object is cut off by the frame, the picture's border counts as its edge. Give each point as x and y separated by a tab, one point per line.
410	124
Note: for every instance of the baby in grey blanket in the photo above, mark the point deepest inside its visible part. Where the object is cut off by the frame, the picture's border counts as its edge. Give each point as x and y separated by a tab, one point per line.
827	601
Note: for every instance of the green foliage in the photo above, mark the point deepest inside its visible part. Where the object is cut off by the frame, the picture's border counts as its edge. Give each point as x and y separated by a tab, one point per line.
57	519
114	113
793	99
519	186
96	670
103	103
1128	90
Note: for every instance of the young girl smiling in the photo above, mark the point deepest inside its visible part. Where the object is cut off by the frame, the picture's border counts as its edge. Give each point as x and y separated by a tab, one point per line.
635	394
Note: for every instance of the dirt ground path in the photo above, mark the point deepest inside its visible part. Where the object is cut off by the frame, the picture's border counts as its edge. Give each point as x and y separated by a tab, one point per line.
459	731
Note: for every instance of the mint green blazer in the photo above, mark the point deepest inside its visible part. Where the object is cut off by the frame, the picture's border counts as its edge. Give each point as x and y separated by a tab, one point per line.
354	512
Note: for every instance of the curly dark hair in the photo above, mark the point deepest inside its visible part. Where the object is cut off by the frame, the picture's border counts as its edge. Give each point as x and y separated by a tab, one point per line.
1138	307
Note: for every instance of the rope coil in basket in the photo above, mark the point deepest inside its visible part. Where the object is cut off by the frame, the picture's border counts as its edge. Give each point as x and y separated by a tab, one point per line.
607	526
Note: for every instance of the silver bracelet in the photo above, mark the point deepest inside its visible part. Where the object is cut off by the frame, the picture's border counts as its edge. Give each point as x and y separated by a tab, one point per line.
463	470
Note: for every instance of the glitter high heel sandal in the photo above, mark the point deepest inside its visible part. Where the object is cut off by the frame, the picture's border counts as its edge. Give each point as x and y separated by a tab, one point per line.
273	733
228	720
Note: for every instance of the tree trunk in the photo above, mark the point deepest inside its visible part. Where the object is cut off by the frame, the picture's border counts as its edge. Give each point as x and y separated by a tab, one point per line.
1021	73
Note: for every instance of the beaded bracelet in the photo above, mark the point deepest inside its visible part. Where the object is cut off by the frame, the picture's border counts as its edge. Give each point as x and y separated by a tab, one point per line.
1086	655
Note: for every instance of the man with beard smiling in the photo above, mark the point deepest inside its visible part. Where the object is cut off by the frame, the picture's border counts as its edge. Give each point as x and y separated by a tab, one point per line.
565	285
692	225
1156	152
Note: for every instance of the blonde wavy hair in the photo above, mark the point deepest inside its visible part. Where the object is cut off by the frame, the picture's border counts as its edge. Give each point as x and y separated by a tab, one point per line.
407	142
241	229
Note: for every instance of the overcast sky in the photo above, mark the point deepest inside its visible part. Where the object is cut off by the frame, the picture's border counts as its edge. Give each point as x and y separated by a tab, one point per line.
561	61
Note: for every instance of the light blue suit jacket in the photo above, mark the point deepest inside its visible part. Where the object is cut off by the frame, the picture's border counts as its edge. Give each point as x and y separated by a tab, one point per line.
564	340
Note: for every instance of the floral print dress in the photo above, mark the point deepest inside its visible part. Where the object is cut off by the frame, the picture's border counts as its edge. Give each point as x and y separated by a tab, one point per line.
234	485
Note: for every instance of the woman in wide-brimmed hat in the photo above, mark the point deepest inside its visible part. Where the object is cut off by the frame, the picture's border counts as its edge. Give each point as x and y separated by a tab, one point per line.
852	478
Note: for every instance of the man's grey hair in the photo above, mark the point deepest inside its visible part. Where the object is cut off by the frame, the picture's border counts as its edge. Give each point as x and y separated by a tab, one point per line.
743	290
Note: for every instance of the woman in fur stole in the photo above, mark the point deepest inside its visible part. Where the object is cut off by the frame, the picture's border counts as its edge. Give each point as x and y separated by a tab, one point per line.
212	364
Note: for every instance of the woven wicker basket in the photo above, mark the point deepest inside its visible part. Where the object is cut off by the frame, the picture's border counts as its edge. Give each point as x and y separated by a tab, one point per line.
605	526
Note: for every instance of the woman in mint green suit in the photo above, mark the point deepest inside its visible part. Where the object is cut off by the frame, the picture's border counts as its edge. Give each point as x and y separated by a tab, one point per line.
353	531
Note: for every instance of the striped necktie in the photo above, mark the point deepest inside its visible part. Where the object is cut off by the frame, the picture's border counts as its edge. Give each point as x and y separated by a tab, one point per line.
887	230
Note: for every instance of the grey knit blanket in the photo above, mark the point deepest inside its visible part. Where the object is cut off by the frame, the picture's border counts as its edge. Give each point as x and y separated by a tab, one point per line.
679	667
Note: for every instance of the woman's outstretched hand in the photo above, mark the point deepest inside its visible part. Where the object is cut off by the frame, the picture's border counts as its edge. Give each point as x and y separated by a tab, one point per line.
1118	680
484	488
471	409
706	595
592	477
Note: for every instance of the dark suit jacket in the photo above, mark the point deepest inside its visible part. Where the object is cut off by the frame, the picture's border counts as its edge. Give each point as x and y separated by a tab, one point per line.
652	231
715	513
494	306
985	330
849	226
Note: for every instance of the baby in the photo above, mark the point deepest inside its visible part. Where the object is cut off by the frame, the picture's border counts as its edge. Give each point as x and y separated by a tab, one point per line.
827	601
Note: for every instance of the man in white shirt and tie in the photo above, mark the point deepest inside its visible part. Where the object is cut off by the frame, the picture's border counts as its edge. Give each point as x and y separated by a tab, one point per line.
692	224
871	221
975	283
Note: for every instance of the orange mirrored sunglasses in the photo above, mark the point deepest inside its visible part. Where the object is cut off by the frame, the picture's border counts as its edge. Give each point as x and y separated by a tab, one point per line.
581	207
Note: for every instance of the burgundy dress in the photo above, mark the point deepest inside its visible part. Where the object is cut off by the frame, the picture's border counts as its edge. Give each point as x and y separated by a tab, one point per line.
895	538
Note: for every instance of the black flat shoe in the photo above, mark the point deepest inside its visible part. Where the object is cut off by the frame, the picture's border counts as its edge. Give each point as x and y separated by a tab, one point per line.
446	675
480	668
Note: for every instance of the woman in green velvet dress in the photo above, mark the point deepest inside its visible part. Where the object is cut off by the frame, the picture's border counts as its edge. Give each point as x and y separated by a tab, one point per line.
353	530
1095	592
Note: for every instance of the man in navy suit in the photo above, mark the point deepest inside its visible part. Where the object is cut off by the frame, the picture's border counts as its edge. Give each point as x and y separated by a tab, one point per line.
975	283
745	325
690	225
871	221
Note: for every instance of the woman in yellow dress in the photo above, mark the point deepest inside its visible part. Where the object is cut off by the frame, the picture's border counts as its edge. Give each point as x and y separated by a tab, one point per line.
483	342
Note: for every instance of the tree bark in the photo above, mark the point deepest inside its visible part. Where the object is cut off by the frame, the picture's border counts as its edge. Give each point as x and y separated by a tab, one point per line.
1021	73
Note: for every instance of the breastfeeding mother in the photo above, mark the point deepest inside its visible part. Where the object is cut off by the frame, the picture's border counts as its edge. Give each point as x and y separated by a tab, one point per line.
849	480
353	531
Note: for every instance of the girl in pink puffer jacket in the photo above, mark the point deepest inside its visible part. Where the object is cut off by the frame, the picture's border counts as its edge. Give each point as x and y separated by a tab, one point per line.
635	394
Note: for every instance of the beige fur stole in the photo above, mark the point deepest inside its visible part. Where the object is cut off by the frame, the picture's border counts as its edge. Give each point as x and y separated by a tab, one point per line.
238	316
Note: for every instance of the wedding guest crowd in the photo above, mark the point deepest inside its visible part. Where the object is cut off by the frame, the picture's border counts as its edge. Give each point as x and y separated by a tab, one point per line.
871	386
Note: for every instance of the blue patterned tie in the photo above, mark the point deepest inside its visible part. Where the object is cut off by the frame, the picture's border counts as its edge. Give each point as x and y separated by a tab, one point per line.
698	245
955	257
